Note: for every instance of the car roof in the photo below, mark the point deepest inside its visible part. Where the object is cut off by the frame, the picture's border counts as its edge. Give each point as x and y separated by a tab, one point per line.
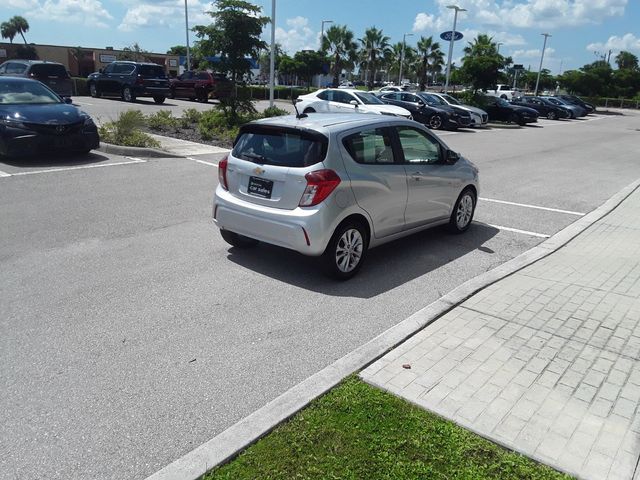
33	62
329	122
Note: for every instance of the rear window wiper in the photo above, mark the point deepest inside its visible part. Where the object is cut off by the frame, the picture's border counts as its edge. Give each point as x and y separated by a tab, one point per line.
255	157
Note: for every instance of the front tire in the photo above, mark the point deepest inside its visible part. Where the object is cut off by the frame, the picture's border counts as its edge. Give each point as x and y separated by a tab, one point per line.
93	90
463	211
552	115
309	110
514	118
346	251
158	100
237	240
128	95
435	122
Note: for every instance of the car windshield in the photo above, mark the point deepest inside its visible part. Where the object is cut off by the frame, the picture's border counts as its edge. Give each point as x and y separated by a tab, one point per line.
280	146
26	92
431	99
369	98
451	100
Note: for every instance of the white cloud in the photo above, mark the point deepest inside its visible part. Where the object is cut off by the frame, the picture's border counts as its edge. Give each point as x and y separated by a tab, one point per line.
21	4
532	53
164	14
87	12
627	42
299	36
423	22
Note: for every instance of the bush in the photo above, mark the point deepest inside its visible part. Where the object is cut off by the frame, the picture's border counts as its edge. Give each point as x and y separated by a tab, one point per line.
191	115
162	119
126	131
211	123
274	112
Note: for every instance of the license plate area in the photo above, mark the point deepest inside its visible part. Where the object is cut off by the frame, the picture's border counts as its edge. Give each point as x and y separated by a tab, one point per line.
260	187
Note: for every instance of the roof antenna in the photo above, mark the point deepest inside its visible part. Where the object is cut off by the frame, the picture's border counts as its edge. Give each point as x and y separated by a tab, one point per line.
298	114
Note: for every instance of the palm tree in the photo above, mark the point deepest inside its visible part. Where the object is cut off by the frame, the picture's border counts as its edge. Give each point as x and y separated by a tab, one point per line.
626	60
375	45
338	42
7	30
20	25
430	56
482	45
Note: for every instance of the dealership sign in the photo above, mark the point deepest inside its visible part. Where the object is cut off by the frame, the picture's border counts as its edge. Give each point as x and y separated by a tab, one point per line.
107	58
447	36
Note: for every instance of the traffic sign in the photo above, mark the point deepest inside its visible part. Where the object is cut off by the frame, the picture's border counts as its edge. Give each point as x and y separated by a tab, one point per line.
447	36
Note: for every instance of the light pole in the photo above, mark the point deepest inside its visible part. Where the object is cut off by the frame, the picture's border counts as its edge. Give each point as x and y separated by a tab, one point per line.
272	56
544	46
499	43
404	42
186	24
322	46
453	34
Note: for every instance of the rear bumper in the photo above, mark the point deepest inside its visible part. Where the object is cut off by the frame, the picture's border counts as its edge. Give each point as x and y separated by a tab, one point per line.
284	228
144	91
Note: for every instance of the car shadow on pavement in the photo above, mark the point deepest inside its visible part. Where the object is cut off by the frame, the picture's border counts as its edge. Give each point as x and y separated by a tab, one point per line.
141	101
56	160
387	267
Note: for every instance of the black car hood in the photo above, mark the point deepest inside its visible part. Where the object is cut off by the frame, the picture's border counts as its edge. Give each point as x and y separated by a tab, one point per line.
48	114
527	110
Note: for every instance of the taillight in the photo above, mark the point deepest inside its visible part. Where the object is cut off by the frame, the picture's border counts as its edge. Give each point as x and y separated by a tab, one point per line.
320	184
222	173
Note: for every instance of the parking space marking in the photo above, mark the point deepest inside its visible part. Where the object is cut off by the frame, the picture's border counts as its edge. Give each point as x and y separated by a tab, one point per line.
523	232
536	207
202	162
4	174
81	167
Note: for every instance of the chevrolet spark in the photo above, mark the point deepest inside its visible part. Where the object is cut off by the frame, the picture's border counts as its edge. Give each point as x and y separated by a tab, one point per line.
335	185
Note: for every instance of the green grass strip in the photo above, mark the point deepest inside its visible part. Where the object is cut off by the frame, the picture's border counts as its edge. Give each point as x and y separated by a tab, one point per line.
356	431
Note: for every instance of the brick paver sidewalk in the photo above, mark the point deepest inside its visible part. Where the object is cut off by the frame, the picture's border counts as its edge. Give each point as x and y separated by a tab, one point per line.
545	361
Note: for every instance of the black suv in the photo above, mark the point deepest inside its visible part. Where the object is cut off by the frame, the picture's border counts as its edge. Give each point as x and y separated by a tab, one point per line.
129	80
53	75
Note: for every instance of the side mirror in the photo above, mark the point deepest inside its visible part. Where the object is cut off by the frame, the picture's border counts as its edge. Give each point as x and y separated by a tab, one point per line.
421	103
452	157
68	100
354	102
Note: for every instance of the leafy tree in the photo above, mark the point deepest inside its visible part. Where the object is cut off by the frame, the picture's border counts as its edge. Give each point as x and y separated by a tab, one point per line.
20	26
234	35
7	30
27	52
339	44
626	60
134	53
308	64
374	46
481	63
264	60
431	58
178	50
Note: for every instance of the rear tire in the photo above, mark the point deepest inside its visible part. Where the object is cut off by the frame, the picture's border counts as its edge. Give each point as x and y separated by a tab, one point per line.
435	122
463	211
158	100
346	251
237	240
93	90
552	115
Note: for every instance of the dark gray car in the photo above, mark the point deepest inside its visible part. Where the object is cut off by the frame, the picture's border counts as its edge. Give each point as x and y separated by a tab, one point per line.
53	75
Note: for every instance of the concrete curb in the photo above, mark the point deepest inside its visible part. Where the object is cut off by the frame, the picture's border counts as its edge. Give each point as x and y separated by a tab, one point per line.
250	429
135	151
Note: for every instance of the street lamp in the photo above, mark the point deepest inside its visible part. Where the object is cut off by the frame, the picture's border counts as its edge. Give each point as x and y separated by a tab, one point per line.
186	23
499	43
404	42
544	46
453	33
322	46
272	57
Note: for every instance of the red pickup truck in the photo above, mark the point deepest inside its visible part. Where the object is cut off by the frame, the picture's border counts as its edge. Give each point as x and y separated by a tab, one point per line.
197	85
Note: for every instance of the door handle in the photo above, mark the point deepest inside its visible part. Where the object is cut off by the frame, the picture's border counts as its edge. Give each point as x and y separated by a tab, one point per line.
417	176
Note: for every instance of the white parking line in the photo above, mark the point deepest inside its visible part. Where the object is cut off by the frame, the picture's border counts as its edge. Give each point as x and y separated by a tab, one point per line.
4	174
524	232
537	207
66	169
202	161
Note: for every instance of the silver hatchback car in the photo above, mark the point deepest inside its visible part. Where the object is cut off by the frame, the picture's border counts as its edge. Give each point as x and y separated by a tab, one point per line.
335	185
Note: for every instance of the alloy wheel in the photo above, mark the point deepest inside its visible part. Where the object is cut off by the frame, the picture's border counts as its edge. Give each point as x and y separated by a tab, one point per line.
349	250
435	122
465	211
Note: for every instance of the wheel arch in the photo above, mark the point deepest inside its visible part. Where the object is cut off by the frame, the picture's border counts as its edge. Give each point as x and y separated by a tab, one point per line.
357	218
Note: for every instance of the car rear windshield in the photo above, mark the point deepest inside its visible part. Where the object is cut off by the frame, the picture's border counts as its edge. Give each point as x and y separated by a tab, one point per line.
288	147
152	71
45	70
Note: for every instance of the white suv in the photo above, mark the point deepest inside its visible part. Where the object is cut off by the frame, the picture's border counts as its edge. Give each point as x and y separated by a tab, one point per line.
333	186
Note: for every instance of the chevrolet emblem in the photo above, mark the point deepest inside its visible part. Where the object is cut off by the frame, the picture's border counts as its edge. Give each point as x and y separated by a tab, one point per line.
258	171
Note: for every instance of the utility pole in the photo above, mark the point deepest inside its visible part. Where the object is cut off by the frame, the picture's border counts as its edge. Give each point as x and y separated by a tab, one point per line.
404	44
272	58
322	46
453	34
545	35
186	23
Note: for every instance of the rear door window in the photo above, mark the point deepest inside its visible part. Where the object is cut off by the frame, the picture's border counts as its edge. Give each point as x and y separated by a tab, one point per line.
49	70
280	146
370	147
203	76
16	68
152	71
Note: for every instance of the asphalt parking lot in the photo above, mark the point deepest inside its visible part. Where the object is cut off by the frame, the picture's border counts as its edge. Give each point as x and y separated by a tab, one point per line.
130	333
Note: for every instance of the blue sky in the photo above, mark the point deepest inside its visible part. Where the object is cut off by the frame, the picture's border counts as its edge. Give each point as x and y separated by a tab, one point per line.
578	27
